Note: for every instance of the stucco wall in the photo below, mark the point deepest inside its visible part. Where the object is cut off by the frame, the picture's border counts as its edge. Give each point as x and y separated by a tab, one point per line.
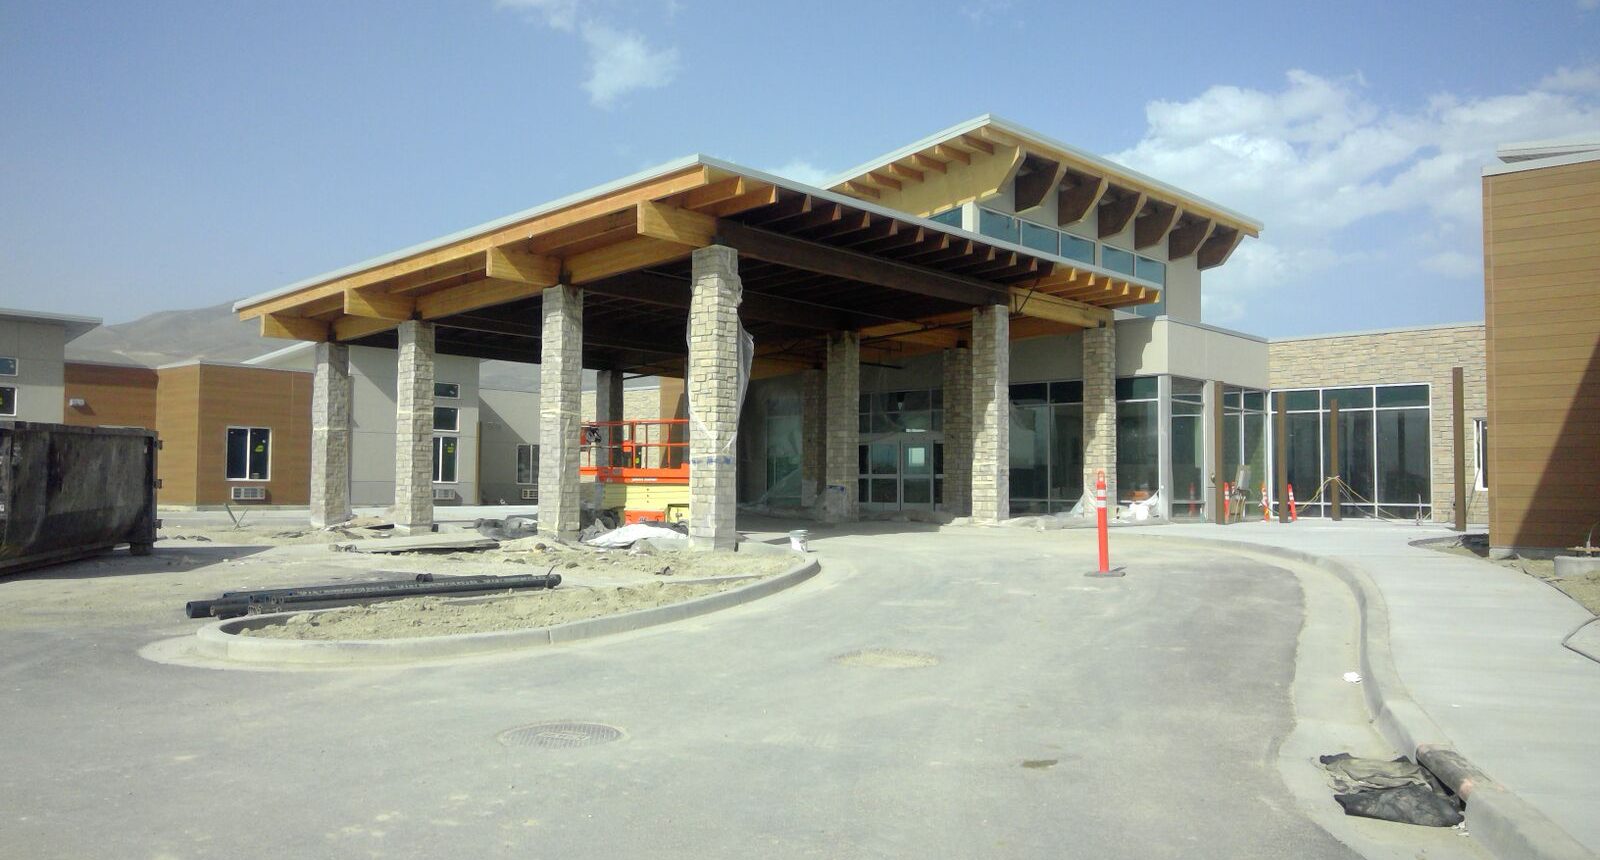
40	351
1420	355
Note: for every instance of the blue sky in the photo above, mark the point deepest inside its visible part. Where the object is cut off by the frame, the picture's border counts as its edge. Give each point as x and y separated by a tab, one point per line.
161	155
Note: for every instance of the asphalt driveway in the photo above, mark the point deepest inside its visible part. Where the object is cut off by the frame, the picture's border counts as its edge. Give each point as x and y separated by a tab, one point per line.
929	694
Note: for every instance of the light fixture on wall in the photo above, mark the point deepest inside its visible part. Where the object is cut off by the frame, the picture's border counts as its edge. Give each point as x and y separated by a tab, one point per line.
77	403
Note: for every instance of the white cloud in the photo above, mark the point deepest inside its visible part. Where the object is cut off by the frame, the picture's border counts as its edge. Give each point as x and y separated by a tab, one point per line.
560	14
804	171
1453	264
1317	157
622	61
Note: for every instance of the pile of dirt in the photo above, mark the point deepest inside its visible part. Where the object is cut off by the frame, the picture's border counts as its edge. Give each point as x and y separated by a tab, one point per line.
1584	589
437	616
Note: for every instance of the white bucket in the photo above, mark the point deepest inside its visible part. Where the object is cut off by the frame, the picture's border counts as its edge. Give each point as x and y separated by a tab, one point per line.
797	540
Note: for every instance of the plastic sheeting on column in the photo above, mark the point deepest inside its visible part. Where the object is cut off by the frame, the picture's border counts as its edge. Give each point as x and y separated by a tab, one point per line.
747	355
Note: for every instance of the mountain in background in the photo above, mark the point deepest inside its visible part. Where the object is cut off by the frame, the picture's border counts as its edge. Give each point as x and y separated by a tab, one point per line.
166	337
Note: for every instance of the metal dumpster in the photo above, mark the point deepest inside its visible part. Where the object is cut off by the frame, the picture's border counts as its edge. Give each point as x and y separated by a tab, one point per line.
69	492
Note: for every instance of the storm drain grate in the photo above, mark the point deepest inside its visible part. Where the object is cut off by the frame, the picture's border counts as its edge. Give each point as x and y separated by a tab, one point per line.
887	658
560	735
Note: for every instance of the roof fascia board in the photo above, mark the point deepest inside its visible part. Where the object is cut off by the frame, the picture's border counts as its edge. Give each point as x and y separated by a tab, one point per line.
1537	163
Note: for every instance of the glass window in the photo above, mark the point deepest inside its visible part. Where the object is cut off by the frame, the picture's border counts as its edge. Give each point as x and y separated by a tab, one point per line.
1030	451
1188	457
8	400
1066	452
444	459
1070	391
1030	393
1138	466
1039	238
1298	401
446	418
1116	259
991	223
951	217
1355	459
1349	398
1151	309
447	390
1150	270
1305	453
1255	401
1480	432
8	367
783	459
1077	248
1402	395
249	454
527	456
1403	468
1136	388
884	458
885	491
917	491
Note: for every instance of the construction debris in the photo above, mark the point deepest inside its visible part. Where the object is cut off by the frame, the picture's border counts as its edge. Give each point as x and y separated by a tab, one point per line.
471	542
1398	790
628	535
235	603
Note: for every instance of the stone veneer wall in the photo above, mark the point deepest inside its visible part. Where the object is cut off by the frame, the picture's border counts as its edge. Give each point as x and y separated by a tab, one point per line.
1403	356
413	462
991	414
330	436
957	372
1100	410
713	385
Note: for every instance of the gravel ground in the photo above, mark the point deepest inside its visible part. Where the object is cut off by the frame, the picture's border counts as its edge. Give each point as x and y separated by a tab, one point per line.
435	616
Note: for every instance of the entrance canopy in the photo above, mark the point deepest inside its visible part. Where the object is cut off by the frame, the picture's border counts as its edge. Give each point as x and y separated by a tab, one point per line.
811	262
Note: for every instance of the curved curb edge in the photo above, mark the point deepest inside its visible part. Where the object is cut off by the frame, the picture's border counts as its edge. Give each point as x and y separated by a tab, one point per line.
1507	825
218	640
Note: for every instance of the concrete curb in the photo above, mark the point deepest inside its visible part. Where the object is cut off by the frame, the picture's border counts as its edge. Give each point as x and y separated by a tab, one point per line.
218	640
1507	825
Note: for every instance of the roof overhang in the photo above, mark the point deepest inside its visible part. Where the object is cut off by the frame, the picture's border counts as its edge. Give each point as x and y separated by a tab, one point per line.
75	326
999	155
811	261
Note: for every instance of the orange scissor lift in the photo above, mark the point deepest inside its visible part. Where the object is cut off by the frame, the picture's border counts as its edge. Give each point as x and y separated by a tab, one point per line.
642	467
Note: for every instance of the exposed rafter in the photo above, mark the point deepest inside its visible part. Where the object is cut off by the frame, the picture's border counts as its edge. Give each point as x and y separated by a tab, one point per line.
1153	223
1187	237
1078	198
1035	180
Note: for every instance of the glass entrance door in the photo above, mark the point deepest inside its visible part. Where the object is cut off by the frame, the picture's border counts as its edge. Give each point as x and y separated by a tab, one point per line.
901	473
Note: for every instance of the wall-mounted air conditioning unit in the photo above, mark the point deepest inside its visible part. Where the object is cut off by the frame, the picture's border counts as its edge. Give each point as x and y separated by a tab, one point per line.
249	494
444	494
530	494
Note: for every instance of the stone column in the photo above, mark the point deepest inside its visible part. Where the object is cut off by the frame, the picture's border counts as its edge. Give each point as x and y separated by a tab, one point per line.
991	414
958	431
713	385
608	407
813	435
330	436
841	414
413	443
560	410
1100	410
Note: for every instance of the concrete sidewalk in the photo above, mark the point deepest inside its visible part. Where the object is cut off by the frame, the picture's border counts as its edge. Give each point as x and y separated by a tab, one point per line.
1478	647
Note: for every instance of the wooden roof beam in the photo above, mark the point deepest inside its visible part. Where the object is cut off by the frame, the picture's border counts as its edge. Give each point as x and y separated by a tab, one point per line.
638	253
1056	309
1154	223
928	162
1186	239
1116	214
951	153
1218	248
1075	202
854	266
379	306
902	172
472	296
1035	180
293	328
671	224
755	197
514	264
860	189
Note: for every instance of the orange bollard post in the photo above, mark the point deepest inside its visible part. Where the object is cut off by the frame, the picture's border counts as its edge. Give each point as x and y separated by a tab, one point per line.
1192	510
1294	514
1100	524
1227	503
1264	503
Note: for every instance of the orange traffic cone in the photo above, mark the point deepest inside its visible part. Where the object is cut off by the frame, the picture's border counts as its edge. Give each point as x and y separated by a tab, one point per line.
1294	513
1264	503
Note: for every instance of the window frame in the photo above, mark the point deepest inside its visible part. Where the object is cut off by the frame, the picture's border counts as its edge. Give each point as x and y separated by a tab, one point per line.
452	385
1480	448
455	427
14	365
16	401
533	458
249	433
438	460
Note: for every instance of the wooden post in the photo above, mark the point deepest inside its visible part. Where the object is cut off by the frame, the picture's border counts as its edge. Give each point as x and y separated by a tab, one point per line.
1333	461
1280	450
1219	493
1459	435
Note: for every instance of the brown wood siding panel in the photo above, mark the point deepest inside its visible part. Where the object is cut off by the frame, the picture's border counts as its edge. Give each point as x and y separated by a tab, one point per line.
1542	307
112	396
254	397
177	421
